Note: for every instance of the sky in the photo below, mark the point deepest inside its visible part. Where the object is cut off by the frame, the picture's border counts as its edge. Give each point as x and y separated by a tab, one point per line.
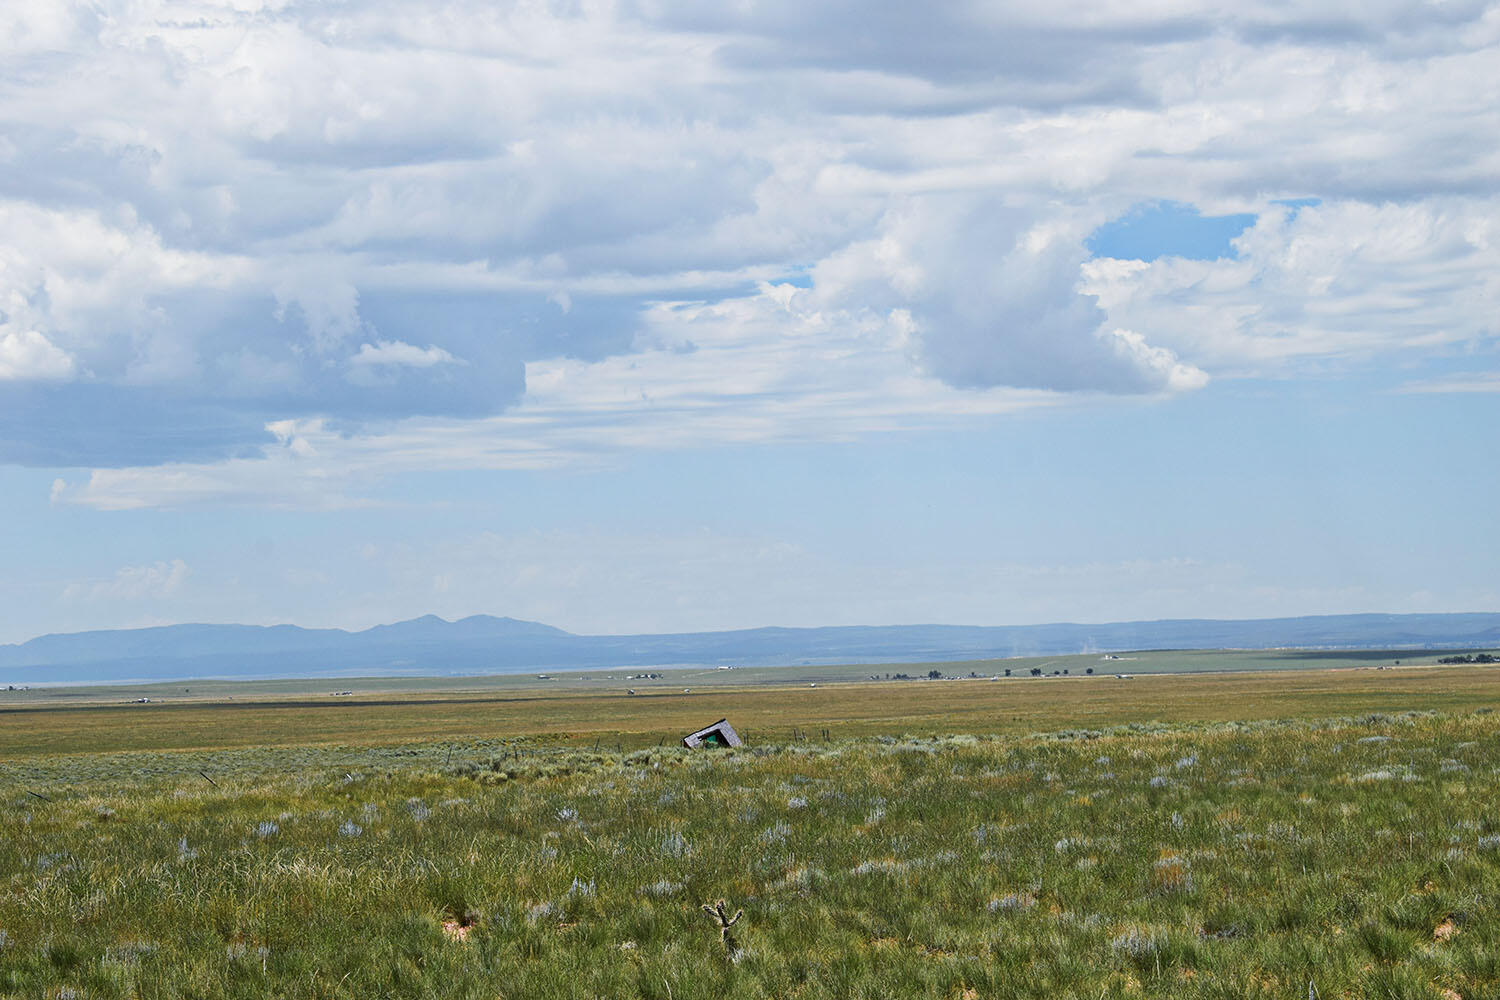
661	316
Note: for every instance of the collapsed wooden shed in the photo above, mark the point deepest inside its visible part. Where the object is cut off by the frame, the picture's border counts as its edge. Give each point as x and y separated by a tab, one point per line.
720	734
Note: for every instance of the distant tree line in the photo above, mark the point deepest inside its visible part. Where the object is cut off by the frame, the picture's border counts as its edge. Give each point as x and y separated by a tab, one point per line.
1476	658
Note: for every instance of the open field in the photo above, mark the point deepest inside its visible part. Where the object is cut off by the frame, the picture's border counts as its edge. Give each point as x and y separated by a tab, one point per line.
1097	837
263	714
1354	858
1139	662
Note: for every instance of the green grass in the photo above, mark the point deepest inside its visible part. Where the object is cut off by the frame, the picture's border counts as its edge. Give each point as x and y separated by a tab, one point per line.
1191	860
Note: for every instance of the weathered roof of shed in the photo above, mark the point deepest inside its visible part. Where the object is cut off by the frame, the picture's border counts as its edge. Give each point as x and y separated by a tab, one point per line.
724	732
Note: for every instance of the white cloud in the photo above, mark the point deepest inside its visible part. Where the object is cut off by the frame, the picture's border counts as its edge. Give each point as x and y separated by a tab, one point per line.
1345	280
89	289
398	354
993	293
1156	365
132	583
382	363
328	307
293	198
26	354
1483	383
779	365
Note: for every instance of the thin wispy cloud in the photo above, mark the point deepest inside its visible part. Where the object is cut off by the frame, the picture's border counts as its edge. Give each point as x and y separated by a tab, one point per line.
132	583
1454	383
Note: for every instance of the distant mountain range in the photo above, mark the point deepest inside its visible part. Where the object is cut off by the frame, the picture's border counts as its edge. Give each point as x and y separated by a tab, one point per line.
484	644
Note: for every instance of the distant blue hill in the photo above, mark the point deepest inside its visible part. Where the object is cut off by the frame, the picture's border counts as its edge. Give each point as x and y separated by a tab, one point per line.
485	644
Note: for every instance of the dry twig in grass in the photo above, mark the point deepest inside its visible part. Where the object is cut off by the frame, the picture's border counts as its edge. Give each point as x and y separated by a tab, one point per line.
719	912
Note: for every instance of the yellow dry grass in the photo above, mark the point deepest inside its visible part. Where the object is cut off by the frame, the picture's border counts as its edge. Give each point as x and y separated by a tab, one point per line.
765	712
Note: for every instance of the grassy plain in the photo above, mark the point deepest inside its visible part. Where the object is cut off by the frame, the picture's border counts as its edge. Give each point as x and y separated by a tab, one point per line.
1226	861
597	708
1097	837
618	680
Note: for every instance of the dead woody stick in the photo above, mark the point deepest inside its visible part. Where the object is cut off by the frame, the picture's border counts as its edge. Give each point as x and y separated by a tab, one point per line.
719	912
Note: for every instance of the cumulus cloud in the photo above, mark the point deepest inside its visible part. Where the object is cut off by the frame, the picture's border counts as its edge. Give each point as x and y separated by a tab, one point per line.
993	292
407	223
328	308
26	354
1342	280
752	369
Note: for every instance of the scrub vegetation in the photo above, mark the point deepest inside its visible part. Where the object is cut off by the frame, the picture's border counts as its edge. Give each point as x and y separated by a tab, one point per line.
1352	857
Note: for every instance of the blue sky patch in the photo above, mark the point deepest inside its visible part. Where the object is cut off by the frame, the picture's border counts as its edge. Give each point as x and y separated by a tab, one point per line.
1297	204
1168	229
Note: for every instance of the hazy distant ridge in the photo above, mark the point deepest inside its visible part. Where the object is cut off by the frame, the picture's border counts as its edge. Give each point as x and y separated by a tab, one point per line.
481	643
